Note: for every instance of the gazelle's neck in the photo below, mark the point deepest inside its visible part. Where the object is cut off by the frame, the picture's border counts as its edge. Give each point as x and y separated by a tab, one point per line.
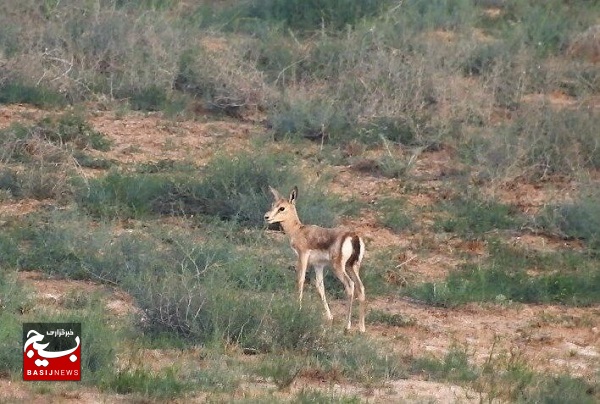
291	226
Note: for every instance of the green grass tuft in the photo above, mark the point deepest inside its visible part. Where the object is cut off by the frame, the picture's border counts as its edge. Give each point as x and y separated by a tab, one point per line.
565	277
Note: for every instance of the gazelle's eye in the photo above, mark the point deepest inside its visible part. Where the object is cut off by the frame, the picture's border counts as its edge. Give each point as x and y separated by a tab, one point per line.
281	209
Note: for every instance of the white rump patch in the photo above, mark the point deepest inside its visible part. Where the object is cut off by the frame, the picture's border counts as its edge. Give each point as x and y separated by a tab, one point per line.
346	250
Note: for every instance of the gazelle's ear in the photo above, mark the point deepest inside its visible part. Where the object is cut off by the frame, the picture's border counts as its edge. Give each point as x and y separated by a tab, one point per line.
294	195
275	193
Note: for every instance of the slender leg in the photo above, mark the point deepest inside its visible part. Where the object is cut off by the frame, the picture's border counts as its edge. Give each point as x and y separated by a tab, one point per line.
301	274
360	295
340	273
321	289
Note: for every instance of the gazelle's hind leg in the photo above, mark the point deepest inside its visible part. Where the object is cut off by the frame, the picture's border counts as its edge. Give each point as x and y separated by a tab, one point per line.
340	273
339	269
360	294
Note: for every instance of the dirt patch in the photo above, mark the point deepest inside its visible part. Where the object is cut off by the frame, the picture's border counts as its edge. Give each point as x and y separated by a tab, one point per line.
52	291
21	207
553	339
151	138
529	198
24	114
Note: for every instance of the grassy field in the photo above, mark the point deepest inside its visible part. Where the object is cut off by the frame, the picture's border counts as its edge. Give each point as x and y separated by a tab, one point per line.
460	138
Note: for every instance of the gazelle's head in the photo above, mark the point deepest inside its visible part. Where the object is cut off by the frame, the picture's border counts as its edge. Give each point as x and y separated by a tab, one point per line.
282	209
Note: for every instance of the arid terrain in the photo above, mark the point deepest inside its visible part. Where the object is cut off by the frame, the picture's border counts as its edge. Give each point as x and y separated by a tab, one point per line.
138	142
549	338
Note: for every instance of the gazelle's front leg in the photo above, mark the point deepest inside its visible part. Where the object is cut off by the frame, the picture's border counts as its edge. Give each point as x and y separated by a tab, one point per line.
321	290
301	268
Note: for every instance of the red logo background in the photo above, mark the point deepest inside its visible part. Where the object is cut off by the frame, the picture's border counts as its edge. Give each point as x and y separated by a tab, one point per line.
36	363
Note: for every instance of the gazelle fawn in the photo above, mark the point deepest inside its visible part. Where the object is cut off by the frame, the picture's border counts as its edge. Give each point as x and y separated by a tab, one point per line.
317	246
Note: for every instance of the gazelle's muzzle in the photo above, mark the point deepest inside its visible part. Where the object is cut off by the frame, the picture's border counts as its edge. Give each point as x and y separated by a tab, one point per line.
268	218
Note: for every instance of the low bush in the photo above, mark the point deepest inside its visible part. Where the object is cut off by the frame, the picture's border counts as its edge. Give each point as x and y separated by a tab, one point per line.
40	181
164	385
390	319
150	98
579	219
13	300
229	189
120	195
212	293
65	129
454	367
560	389
307	396
304	16
14	92
473	218
565	277
538	143
47	148
315	119
394	215
358	359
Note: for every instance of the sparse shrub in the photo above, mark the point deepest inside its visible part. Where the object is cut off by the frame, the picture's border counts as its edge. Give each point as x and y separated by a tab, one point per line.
98	357
71	128
209	311
230	189
45	181
397	130
13	300
504	277
238	188
454	367
9	181
560	389
281	370
150	98
120	195
439	14
163	385
218	377
87	161
311	16
585	45
12	92
46	174
219	78
542	141
315	119
545	27
484	58
391	319
358	359
212	293
45	141
472	218
580	219
306	396
393	215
